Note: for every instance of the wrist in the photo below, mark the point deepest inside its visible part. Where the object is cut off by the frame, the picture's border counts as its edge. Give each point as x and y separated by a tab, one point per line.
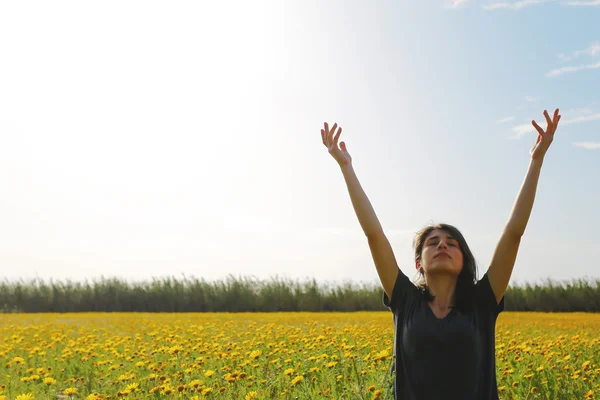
537	162
346	166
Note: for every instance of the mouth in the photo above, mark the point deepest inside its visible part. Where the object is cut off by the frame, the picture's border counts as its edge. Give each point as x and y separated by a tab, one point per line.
441	255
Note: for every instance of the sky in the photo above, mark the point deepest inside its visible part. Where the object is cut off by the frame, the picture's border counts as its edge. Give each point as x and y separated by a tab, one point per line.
144	139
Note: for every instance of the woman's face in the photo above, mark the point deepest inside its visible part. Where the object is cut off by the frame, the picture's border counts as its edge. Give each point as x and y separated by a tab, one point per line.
441	254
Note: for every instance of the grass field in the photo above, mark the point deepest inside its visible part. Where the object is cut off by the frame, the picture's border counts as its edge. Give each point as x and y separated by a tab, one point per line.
269	355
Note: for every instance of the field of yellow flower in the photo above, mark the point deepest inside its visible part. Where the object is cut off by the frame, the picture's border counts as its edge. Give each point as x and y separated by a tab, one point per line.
269	355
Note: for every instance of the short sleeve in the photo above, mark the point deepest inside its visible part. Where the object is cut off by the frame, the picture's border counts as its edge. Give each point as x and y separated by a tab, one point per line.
486	296
401	288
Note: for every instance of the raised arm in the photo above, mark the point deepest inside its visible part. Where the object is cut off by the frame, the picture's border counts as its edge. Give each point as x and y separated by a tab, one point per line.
381	250
506	250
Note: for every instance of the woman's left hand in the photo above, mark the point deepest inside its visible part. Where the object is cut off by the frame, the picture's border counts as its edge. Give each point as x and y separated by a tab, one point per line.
544	139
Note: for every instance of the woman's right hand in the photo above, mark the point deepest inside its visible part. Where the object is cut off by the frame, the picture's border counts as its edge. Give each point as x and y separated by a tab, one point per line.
331	142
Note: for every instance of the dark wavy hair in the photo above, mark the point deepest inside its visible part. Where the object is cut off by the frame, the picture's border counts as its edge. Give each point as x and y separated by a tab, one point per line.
465	283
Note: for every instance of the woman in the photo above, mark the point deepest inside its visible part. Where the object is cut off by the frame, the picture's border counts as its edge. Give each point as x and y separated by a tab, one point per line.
444	326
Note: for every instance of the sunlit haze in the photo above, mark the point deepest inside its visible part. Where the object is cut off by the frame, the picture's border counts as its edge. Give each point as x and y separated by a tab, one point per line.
151	139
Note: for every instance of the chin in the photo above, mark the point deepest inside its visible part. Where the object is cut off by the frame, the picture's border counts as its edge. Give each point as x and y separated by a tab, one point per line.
445	269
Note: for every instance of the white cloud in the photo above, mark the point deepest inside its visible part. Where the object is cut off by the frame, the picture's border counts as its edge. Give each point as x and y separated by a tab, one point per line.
530	99
456	3
583	3
505	119
581	118
587	145
564	70
523	129
592	50
513	5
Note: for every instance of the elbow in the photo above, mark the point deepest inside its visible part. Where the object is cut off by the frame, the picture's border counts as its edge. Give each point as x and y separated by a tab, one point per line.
514	233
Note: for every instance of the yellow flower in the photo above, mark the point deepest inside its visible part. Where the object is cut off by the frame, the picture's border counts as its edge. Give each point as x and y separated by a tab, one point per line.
27	396
209	373
288	371
70	391
297	380
252	395
49	381
254	355
195	383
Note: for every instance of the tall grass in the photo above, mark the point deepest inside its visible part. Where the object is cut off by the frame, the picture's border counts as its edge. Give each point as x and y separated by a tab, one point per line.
245	294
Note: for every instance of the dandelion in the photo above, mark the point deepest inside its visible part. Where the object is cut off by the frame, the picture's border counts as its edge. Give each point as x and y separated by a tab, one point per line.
195	383
18	360
297	380
132	387
255	354
251	395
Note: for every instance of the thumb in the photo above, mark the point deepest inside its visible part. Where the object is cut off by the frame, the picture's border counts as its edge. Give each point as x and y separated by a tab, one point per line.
343	146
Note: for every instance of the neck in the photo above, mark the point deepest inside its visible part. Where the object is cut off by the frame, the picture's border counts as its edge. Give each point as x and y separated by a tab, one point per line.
443	287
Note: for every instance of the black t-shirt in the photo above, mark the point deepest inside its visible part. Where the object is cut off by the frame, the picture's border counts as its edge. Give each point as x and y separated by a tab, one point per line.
451	357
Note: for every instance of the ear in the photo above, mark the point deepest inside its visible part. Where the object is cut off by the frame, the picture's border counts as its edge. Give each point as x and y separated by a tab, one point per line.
418	265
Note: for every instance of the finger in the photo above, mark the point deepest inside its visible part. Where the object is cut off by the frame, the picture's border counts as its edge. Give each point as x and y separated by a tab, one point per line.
330	134
327	139
537	127
323	137
554	120
549	128
335	139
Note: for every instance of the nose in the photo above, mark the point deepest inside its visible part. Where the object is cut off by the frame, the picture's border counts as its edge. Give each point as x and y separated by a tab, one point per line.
442	242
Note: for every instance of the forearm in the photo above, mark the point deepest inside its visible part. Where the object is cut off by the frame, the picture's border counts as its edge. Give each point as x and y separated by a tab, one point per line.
362	206
524	203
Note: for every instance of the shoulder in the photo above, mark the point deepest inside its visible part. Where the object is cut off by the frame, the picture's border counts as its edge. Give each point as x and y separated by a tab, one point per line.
485	297
403	290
